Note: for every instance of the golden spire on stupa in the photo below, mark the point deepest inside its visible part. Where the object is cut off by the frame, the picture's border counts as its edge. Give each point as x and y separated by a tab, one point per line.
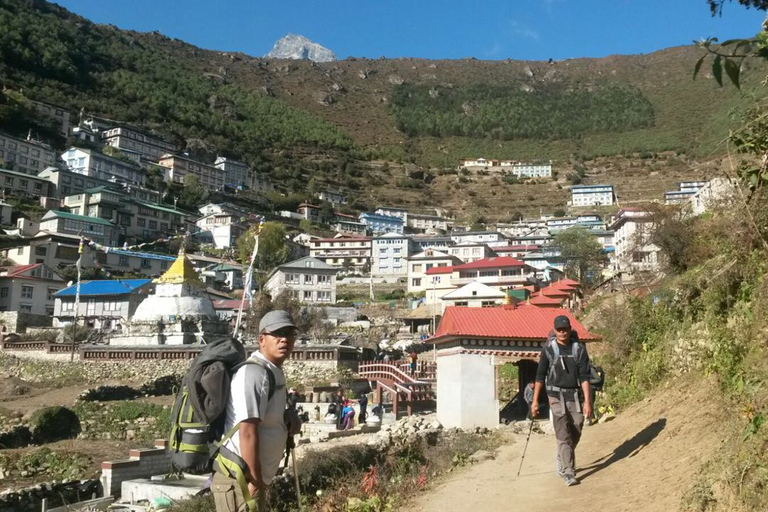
181	272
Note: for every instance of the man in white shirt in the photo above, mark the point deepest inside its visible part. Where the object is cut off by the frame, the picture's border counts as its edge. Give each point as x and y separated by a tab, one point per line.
253	453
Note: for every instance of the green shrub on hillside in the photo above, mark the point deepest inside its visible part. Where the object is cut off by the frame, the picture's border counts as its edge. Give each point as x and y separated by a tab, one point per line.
507	112
54	424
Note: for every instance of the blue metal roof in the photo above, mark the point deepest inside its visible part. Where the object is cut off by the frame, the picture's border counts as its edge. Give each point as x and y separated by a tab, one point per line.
106	287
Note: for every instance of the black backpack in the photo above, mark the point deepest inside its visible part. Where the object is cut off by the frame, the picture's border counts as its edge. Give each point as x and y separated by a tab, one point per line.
198	412
596	377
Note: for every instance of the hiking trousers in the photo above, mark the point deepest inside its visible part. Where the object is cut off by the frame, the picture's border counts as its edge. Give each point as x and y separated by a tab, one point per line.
568	421
228	496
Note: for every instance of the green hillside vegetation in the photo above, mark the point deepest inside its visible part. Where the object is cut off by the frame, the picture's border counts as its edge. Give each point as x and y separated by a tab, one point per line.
555	111
57	57
339	122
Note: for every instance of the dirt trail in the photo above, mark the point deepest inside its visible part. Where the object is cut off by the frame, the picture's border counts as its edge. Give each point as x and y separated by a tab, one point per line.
645	459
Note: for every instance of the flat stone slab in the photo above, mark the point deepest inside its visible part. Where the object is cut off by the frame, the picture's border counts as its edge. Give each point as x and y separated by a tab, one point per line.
172	488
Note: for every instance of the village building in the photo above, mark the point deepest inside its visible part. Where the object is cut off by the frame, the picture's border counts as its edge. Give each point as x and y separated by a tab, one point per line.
633	250
489	238
424	242
513	167
56	112
346	252
715	193
104	305
93	164
224	223
131	140
420	263
310	212
438	284
348	224
473	295
381	224
236	174
393	211
25	156
471	345
422	223
308	280
470	252
389	255
133	209
6	213
98	230
516	251
332	196
531	239
176	167
63	182
29	288
592	195
19	184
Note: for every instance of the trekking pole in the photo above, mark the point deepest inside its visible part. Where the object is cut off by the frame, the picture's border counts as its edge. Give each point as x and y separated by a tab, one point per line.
526	446
296	478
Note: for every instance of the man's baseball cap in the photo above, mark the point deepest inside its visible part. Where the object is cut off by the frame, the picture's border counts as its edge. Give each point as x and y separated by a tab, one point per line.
276	320
562	322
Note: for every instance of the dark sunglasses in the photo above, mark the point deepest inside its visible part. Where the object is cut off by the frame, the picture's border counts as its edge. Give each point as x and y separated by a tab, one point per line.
287	332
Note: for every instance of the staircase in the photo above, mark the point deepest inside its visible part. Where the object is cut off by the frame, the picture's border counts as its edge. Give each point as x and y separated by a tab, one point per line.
403	388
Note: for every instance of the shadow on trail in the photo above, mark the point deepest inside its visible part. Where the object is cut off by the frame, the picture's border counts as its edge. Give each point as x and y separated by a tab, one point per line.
628	448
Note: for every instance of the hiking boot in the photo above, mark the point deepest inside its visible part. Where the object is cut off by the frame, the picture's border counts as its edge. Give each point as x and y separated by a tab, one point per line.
570	480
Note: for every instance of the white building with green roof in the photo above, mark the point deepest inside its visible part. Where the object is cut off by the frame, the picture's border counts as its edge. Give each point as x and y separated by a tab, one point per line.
99	230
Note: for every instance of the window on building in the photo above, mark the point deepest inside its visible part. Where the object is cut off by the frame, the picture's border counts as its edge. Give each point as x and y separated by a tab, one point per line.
26	292
67	305
25	308
324	296
417	267
416	281
23	184
462	303
9	181
323	279
51	291
163	265
41	250
308	278
146	263
307	295
153	224
488	304
4	291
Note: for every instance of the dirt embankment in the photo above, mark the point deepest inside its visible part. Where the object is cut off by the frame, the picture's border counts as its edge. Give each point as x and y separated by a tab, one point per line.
646	459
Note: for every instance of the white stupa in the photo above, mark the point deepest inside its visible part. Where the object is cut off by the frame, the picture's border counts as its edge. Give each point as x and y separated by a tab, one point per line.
178	313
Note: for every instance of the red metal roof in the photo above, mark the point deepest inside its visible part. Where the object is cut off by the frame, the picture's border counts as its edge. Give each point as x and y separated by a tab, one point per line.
440	270
17	270
504	322
543	300
551	291
567	282
511	248
494	262
227	304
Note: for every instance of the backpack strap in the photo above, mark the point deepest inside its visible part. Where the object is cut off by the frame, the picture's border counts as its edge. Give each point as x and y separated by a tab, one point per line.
272	387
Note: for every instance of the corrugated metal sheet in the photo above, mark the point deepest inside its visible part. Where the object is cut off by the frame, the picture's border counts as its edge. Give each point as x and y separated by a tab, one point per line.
106	287
504	322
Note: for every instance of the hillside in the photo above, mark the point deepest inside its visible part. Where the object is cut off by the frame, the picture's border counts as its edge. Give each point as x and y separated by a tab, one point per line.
338	121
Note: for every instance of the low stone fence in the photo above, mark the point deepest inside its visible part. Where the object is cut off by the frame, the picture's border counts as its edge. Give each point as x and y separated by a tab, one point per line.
139	464
30	499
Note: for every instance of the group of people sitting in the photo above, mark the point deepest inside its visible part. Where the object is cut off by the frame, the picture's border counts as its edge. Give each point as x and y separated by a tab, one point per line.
343	410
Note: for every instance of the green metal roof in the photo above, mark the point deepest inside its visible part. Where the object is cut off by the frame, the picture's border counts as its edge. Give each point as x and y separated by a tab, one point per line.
22	175
72	216
163	209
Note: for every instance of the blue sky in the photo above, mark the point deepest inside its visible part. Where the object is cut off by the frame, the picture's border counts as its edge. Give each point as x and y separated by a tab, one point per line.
433	29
